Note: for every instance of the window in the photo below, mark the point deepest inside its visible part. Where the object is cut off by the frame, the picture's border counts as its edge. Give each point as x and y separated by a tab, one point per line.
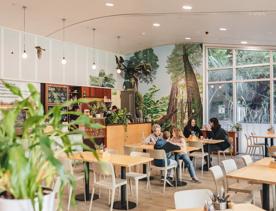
239	83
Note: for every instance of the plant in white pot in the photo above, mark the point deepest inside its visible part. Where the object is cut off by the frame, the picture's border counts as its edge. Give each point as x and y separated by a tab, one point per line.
29	164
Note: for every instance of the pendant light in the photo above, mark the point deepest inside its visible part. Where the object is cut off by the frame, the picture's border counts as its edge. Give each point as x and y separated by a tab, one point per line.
94	66
118	46
24	54
63	60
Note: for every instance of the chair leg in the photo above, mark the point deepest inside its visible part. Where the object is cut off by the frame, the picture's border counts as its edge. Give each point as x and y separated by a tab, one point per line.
136	191
165	179
91	200
218	157
180	169
224	155
175	178
69	199
274	196
112	198
202	164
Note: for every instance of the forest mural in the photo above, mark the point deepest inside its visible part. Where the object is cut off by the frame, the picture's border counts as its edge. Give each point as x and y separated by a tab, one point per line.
169	79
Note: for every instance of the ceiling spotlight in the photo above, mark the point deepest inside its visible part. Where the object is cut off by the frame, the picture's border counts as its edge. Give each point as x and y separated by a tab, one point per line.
222	29
244	42
63	61
187	38
24	55
109	4
156	24
187	7
94	66
119	70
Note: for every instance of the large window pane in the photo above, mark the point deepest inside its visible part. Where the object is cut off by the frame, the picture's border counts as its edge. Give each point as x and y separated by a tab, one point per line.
274	96
253	104
274	56
220	99
274	70
220	75
220	57
253	72
246	57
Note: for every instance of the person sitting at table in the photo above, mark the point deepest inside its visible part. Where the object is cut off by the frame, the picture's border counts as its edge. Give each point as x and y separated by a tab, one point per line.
192	129
163	143
178	139
217	133
156	134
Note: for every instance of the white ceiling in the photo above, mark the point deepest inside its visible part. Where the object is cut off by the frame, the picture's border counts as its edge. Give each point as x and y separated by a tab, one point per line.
240	17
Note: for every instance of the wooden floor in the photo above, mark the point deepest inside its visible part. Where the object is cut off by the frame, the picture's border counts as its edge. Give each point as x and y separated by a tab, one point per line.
156	200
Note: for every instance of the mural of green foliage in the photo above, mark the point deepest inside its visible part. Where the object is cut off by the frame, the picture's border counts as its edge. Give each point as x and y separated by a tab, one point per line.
152	107
103	80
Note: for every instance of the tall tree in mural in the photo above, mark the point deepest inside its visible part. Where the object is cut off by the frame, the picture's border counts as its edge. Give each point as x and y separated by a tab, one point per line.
140	67
181	63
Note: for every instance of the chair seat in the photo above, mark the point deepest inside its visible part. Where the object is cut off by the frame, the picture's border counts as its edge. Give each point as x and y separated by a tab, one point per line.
198	154
244	187
164	168
107	183
136	175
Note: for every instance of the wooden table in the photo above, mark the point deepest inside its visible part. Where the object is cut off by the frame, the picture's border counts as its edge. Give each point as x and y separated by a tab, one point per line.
266	137
209	142
125	161
258	172
237	207
150	147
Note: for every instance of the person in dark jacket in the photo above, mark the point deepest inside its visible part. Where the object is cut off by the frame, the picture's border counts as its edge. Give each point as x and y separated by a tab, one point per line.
192	129
163	143
217	133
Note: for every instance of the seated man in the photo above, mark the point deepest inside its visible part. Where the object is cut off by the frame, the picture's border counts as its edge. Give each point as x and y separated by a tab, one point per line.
162	143
156	134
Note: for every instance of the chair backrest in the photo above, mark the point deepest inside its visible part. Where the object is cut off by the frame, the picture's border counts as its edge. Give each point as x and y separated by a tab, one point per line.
67	164
160	154
139	154
103	168
249	139
272	151
77	141
110	151
229	165
247	159
196	144
218	177
191	198
128	150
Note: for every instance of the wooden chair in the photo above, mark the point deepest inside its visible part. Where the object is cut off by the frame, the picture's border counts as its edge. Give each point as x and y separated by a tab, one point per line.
272	151
247	160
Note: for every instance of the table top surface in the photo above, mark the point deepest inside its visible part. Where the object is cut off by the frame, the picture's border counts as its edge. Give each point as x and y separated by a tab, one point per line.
151	147
115	159
236	207
206	141
259	172
264	136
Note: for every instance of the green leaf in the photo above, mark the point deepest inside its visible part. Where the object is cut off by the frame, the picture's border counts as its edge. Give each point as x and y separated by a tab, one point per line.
13	89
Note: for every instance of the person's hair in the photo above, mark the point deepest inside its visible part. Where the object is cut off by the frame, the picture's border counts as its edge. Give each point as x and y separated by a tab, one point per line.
178	132
114	107
154	127
215	122
166	135
189	123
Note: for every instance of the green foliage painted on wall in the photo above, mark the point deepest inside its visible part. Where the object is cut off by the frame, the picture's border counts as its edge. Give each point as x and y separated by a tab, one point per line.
103	80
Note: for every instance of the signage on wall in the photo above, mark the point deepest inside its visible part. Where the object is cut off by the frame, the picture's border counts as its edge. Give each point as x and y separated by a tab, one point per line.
221	109
7	98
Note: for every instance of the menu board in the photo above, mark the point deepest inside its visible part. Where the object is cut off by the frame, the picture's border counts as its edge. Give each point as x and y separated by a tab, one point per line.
7	99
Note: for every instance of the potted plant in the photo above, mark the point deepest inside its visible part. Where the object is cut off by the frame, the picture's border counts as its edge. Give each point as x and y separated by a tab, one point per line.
220	200
29	163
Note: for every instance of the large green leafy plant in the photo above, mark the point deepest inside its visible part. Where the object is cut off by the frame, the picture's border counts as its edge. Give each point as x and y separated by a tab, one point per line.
29	161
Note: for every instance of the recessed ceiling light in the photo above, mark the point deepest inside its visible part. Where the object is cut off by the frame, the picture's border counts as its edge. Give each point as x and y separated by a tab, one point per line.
244	42
222	29
109	4
187	7
187	38
143	33
156	24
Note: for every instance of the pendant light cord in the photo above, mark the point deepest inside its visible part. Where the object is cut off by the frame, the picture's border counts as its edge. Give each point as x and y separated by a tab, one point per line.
24	27
93	43
63	35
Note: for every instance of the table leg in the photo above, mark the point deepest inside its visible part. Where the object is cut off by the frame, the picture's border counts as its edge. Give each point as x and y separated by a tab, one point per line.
272	142
266	202
266	146
145	170
178	181
87	195
122	204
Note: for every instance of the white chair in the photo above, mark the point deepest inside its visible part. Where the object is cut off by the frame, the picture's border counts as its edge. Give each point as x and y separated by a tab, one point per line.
191	198
136	176
198	154
247	160
228	150
161	155
230	166
104	177
219	180
68	167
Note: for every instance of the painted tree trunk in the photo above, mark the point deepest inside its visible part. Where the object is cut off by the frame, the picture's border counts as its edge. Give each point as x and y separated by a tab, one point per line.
193	94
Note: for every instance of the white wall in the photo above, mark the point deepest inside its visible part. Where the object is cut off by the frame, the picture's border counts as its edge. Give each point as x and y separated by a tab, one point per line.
49	68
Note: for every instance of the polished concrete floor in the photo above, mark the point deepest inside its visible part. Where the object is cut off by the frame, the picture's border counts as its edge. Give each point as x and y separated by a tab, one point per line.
156	200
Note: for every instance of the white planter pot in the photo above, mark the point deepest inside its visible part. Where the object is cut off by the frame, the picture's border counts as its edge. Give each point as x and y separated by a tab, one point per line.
26	204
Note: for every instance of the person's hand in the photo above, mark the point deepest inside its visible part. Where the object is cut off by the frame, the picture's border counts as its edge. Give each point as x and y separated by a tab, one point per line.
201	137
208	127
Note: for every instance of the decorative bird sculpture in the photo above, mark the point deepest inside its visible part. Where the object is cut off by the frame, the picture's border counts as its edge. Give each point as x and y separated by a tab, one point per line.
39	51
